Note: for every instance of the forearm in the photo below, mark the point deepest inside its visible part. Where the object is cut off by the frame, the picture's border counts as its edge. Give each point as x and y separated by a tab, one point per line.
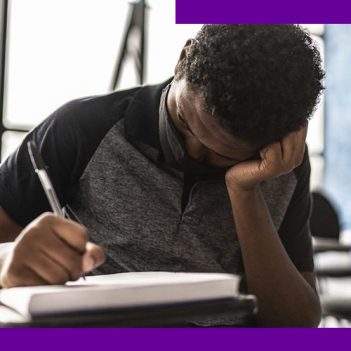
285	297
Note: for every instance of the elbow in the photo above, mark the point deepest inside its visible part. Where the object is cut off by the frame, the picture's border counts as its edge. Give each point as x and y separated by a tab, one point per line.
313	318
305	316
309	317
311	314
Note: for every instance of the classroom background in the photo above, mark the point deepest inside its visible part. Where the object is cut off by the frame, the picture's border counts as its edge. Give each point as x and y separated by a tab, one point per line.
58	50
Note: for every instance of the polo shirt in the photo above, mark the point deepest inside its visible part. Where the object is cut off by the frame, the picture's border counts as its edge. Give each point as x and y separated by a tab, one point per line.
105	160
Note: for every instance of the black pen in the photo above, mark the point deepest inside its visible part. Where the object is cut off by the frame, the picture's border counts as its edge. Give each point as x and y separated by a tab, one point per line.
40	168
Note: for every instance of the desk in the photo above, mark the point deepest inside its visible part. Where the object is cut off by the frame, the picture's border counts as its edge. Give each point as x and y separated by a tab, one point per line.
339	307
243	307
324	245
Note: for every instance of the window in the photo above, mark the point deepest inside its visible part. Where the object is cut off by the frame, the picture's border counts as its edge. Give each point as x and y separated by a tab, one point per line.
59	50
315	137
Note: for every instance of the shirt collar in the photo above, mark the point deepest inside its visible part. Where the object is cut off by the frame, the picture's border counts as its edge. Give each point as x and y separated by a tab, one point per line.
142	115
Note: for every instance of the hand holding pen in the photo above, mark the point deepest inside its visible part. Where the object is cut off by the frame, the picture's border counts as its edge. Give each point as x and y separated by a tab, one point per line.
51	249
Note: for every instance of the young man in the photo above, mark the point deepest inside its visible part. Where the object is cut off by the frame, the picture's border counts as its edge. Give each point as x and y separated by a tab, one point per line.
206	172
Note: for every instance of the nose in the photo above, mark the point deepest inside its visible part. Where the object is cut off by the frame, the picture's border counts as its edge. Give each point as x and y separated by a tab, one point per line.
197	151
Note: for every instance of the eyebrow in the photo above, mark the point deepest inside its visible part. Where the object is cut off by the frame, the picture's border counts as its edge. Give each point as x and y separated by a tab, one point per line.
180	115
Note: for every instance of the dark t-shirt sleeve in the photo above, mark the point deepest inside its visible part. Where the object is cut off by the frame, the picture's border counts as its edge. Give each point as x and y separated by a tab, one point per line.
66	140
294	230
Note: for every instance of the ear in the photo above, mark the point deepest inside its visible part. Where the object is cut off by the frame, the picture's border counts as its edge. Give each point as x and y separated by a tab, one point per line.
184	53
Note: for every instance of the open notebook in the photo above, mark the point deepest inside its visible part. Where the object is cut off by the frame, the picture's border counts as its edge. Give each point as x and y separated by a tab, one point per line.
122	290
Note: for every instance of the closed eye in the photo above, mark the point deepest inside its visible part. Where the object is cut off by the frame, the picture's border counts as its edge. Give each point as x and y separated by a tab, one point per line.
185	125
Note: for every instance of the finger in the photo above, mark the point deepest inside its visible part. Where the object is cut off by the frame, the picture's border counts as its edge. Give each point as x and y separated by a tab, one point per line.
49	270
245	170
293	146
271	157
289	151
72	233
62	254
93	257
301	144
19	275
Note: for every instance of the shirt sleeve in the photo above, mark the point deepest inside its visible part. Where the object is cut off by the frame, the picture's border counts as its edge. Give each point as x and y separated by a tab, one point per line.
66	140
295	230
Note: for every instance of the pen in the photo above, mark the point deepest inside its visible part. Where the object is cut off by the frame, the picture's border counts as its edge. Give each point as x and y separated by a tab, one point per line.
40	168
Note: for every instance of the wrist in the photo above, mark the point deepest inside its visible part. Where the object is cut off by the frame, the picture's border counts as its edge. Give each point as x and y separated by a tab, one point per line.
243	197
240	189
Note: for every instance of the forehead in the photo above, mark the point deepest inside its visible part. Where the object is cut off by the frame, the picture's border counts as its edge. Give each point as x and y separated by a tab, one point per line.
204	125
189	97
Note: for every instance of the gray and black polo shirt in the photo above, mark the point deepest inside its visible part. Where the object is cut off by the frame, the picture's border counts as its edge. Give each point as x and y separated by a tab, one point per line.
105	160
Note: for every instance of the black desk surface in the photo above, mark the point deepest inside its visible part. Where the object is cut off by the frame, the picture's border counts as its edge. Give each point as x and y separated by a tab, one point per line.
175	315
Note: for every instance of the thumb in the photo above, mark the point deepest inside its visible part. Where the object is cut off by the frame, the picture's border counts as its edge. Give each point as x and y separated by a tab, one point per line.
93	257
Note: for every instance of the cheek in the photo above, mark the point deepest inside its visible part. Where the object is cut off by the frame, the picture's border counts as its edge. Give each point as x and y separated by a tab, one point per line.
214	160
197	151
194	148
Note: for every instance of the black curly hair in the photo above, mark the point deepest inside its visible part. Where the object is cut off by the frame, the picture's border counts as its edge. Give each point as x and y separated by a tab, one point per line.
259	81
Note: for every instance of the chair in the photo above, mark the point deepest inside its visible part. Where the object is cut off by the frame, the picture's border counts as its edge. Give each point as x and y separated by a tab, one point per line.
324	220
332	258
325	230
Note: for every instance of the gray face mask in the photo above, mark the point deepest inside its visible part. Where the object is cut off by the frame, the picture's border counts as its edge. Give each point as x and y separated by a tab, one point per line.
173	146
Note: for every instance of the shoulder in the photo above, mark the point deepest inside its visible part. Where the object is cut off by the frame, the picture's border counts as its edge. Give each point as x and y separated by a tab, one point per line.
66	140
94	110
